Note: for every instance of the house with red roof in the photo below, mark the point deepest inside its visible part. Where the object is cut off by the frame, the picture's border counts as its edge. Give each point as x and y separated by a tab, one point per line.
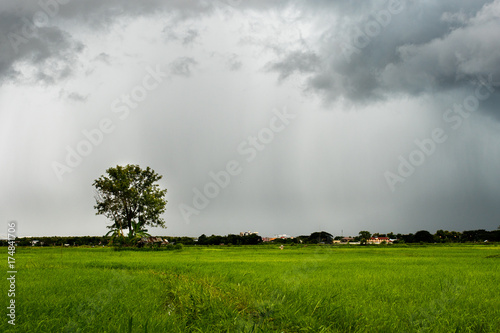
379	240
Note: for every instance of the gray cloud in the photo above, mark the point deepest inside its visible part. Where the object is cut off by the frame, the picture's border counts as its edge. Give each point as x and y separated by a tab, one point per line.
297	61
190	37
233	63
425	47
73	96
451	60
186	35
182	66
25	39
421	48
49	51
104	57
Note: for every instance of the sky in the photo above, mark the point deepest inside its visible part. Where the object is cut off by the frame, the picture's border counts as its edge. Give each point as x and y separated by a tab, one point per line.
281	117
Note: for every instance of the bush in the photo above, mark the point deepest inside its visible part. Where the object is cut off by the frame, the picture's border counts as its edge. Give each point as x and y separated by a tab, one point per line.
171	247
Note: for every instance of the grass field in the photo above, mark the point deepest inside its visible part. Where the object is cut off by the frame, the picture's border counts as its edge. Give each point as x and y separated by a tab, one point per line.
258	289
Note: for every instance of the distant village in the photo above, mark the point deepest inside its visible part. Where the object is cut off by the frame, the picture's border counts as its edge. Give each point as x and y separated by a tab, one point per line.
253	238
334	240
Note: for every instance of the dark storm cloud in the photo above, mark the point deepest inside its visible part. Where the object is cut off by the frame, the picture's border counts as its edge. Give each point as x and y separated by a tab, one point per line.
373	51
30	32
49	50
418	48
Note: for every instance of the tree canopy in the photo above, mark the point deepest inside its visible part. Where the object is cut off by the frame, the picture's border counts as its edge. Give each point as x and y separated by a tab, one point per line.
423	236
364	236
130	197
320	237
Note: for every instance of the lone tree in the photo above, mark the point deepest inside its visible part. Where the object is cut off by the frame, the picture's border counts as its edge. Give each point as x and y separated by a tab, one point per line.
130	197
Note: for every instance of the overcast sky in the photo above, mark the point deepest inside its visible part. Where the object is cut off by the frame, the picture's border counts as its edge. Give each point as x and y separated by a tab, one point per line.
282	117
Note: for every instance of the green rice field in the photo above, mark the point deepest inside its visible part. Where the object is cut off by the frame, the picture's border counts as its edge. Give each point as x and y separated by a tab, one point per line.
258	289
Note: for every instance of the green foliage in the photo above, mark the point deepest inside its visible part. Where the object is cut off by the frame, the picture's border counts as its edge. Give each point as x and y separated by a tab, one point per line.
181	240
59	241
320	237
229	239
364	236
441	236
289	241
131	199
423	236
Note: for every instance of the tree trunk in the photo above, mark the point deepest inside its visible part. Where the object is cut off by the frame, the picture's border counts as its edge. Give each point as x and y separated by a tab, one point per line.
129	222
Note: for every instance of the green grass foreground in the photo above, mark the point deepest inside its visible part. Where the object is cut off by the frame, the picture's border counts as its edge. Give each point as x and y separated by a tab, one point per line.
258	289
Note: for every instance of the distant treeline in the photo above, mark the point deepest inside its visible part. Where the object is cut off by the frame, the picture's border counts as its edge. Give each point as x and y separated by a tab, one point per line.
60	241
252	239
105	240
422	236
445	236
322	237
